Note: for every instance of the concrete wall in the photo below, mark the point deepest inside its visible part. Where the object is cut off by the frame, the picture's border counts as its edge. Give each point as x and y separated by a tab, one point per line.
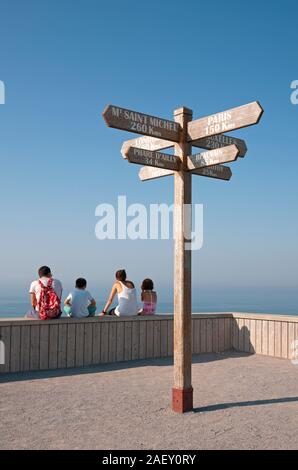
54	344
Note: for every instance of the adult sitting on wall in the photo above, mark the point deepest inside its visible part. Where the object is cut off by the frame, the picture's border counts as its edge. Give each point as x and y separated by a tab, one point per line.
127	298
45	295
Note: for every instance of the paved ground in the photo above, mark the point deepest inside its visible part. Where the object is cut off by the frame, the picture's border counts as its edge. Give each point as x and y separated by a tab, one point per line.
243	402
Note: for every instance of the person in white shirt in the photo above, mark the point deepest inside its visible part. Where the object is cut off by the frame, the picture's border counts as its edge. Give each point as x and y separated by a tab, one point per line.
80	303
127	298
44	274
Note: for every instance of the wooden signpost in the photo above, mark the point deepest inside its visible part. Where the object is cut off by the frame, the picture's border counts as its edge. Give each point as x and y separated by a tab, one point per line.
149	158
213	157
183	133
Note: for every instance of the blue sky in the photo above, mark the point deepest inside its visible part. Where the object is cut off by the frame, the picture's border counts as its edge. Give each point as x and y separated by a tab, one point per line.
63	61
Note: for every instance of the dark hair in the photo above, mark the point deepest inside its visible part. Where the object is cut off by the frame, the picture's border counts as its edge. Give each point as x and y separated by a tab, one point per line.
44	271
81	283
120	275
147	284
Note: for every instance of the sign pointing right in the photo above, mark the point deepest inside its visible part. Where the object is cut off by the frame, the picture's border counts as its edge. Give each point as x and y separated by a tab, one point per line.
213	157
234	118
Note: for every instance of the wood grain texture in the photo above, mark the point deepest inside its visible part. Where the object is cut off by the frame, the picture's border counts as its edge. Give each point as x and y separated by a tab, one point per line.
219	141
182	260
213	157
34	347
219	172
146	142
25	348
15	357
149	173
71	345
225	121
53	346
140	123
44	347
62	346
152	159
88	346
79	344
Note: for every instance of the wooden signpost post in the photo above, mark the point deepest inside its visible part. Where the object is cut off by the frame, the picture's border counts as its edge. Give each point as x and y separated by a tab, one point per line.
183	133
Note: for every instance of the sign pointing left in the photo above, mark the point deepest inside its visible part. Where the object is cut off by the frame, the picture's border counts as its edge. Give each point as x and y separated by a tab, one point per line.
156	159
140	123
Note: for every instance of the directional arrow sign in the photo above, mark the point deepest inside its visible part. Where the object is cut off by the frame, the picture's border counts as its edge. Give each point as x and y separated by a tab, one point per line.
157	159
146	142
213	157
218	141
148	173
218	123
132	121
220	172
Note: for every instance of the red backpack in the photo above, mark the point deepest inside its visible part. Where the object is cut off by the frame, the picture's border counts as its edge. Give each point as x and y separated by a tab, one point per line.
49	302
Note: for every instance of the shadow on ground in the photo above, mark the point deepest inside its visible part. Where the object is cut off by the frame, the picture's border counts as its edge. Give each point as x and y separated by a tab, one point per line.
225	406
36	375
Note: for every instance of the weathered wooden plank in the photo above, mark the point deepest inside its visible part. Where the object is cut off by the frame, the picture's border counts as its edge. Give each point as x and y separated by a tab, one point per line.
259	336
5	335
212	157
71	345
104	351
228	334
218	141
88	347
215	335
219	172
15	349
284	340
221	334
164	338
53	347
62	346
240	322
150	339
156	339
25	348
246	335
143	340
252	339
209	344
197	336
34	347
133	121
96	343
291	339
265	337
127	341
135	353
271	339
170	338
79	344
44	347
112	341
235	118
277	339
149	173
203	342
235	334
120	341
146	142
153	159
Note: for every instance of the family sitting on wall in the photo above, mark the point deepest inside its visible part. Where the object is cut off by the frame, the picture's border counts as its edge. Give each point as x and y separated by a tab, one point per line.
46	295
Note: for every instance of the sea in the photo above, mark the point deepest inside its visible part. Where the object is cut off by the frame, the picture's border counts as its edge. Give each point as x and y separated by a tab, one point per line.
267	300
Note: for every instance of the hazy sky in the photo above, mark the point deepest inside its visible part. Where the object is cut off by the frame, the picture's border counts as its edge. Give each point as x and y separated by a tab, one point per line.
63	61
